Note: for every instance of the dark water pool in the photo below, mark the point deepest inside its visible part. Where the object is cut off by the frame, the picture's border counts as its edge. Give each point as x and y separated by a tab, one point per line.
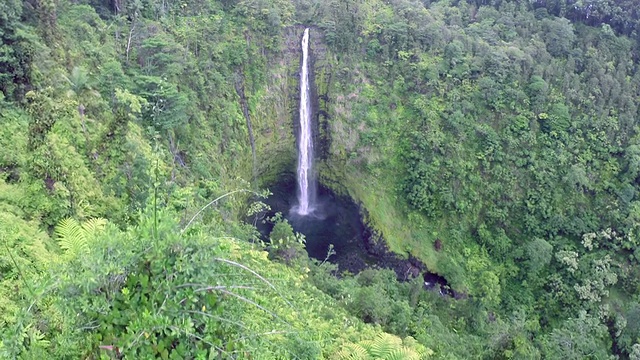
336	220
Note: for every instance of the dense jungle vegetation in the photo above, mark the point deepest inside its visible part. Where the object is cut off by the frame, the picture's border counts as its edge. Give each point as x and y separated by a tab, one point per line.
495	140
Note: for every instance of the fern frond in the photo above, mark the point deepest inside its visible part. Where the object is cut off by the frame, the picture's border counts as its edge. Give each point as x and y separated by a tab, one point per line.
423	351
73	237
383	345
92	226
403	354
352	352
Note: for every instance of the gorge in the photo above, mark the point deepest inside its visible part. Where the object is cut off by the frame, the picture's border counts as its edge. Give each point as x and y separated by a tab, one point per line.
332	223
496	144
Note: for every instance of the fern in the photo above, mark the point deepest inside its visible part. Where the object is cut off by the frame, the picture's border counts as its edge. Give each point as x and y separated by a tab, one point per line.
93	226
384	347
403	354
73	237
352	352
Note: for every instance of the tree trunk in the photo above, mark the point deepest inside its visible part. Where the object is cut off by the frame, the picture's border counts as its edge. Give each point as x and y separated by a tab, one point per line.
133	27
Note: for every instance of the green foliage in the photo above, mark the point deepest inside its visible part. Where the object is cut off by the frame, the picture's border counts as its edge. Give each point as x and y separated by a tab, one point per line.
384	346
26	252
579	338
539	253
73	237
498	144
16	52
284	244
505	134
136	294
282	230
166	105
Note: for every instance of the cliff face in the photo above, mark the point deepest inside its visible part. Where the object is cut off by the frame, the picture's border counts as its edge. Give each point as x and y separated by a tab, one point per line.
276	110
322	64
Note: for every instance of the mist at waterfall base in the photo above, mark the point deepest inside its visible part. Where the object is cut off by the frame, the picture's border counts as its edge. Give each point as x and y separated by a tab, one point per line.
334	220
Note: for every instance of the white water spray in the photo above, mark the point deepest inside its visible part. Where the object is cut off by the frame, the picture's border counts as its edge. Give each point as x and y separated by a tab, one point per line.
306	177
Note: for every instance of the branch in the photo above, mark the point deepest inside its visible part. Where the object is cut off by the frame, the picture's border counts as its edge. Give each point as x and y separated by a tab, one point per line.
213	202
257	275
133	27
252	303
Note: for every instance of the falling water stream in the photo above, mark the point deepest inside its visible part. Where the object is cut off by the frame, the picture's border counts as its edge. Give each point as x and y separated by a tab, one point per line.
306	177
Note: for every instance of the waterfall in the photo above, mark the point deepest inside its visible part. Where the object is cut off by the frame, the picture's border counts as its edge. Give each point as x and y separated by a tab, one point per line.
306	177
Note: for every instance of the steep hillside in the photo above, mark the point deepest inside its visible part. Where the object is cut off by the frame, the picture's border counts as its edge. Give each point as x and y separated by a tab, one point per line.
496	143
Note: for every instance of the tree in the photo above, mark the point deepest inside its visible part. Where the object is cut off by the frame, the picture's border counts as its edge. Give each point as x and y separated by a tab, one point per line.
539	253
167	105
81	90
630	334
583	337
285	245
559	36
16	51
635	352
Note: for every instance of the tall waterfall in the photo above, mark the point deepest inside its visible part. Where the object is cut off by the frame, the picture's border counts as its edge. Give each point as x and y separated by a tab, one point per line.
306	177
